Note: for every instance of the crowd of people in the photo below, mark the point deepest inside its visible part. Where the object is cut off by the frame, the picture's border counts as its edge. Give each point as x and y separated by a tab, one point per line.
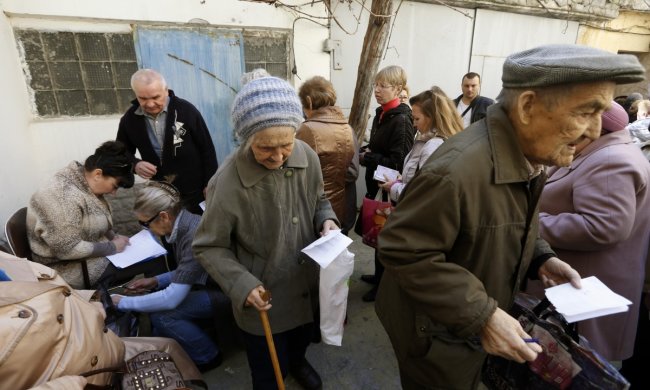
545	186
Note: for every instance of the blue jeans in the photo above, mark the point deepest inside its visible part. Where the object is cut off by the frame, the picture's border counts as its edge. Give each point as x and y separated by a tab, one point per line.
179	325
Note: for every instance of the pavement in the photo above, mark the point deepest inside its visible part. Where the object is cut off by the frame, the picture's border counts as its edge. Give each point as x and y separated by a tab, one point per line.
365	360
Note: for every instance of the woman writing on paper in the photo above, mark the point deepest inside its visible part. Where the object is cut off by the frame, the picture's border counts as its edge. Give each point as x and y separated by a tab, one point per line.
69	222
182	296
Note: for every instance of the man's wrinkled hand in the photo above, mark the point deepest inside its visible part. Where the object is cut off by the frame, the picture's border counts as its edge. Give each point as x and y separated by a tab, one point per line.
555	272
503	336
145	169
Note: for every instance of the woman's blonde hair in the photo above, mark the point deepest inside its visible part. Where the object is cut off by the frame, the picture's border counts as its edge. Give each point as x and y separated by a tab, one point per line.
157	196
441	110
393	75
317	92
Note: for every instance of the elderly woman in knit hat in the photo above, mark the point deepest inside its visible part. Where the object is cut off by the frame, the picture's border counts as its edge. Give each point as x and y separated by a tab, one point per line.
264	205
595	214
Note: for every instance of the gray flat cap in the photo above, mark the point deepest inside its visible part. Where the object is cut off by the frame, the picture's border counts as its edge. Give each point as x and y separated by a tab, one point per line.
562	64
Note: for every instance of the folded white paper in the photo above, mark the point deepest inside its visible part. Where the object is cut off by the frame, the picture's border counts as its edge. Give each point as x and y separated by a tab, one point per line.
326	248
142	246
594	299
385	174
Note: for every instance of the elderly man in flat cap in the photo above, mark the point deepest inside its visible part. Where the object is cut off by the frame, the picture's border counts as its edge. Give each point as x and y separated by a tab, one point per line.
452	272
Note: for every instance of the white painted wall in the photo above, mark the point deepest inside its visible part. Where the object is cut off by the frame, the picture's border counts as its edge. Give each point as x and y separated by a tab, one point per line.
33	149
499	34
432	43
18	156
437	45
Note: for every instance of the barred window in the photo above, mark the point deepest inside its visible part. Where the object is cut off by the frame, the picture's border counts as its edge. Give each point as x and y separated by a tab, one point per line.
78	74
268	49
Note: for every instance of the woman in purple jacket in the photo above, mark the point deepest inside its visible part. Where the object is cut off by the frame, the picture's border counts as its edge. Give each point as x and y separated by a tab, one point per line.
596	216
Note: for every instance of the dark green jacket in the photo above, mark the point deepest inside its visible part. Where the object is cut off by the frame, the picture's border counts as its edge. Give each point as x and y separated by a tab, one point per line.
459	243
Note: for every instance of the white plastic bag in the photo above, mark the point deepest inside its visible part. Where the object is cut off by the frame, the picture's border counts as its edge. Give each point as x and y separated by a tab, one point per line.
333	296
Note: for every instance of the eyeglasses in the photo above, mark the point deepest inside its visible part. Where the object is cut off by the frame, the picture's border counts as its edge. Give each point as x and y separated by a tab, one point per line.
383	86
149	221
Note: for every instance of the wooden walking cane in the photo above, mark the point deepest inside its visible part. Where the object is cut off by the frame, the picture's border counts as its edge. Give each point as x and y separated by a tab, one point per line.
266	296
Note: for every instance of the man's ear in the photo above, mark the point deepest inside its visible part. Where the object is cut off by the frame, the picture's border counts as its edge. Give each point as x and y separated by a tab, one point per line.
309	102
524	106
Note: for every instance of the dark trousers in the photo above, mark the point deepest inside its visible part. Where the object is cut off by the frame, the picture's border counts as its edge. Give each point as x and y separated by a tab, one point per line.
290	347
635	369
379	267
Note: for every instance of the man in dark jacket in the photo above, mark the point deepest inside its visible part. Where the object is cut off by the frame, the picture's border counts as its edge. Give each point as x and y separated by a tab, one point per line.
464	235
171	136
470	105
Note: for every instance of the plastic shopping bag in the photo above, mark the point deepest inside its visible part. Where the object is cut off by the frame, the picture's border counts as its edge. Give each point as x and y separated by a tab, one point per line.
333	296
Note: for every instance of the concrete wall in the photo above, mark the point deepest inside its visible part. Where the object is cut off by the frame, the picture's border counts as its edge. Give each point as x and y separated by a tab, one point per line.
626	34
499	34
34	148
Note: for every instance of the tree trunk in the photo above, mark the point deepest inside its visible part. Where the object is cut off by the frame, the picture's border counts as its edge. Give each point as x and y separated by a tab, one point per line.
374	44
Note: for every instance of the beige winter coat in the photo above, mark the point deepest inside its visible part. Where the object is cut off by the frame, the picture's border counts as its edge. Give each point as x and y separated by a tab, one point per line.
51	333
64	221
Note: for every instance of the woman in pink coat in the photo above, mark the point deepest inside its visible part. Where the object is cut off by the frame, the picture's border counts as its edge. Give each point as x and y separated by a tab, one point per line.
596	216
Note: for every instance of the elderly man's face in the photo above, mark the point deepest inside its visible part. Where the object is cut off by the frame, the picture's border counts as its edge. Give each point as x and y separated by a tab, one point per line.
273	146
552	133
152	97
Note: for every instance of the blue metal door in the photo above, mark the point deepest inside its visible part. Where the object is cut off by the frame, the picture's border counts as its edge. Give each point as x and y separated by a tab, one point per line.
202	65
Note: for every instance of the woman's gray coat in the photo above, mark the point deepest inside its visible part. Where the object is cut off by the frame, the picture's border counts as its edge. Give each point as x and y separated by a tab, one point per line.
255	223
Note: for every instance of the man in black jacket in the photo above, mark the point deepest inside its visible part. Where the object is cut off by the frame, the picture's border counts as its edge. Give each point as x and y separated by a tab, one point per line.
470	105
171	136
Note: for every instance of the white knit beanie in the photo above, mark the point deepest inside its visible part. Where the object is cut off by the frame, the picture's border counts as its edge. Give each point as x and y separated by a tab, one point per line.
265	102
